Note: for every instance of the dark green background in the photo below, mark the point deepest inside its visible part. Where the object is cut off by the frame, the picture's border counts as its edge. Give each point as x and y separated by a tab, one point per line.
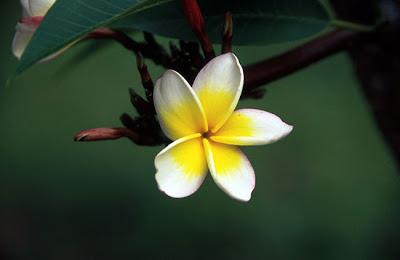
330	190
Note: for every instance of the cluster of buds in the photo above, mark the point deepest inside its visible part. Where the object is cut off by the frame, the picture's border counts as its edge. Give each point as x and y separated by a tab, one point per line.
185	58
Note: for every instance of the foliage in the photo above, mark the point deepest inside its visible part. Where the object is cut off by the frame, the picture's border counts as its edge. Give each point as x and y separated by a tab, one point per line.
256	22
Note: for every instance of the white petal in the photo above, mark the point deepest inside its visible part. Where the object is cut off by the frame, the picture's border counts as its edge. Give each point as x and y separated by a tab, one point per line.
40	7
181	167
230	169
252	127
219	86
26	12
179	110
23	35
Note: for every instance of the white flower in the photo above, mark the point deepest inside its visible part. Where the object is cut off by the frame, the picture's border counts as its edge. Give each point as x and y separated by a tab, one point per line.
33	12
206	130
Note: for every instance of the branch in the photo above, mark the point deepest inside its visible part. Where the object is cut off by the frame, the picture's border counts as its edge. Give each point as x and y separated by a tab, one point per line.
298	58
149	49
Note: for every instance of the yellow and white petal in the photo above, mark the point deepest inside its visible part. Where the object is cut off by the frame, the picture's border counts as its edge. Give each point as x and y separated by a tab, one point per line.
230	169
23	35
252	127
181	167
219	86
179	110
40	7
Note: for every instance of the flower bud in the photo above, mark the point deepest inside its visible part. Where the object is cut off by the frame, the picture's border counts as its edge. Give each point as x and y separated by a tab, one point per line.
103	134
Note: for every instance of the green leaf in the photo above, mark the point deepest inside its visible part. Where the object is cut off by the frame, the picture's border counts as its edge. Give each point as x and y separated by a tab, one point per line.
256	22
69	20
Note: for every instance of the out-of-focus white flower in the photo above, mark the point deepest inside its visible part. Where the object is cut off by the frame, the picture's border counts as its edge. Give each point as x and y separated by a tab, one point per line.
33	12
206	130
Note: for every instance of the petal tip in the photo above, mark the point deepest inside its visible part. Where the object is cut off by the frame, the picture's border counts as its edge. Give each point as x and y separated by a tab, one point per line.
173	193
288	129
243	196
173	73
170	71
229	54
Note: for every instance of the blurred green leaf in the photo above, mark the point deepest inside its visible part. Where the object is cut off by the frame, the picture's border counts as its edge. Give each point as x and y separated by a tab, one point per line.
256	22
69	20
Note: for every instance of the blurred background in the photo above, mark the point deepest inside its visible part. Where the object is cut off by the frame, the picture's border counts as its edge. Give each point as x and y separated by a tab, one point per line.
330	190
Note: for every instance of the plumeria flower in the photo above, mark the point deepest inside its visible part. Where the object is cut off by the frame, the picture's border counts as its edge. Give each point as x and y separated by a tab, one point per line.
206	131
33	12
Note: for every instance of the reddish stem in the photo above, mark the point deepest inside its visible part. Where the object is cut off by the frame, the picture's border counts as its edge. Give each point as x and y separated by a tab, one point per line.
122	38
